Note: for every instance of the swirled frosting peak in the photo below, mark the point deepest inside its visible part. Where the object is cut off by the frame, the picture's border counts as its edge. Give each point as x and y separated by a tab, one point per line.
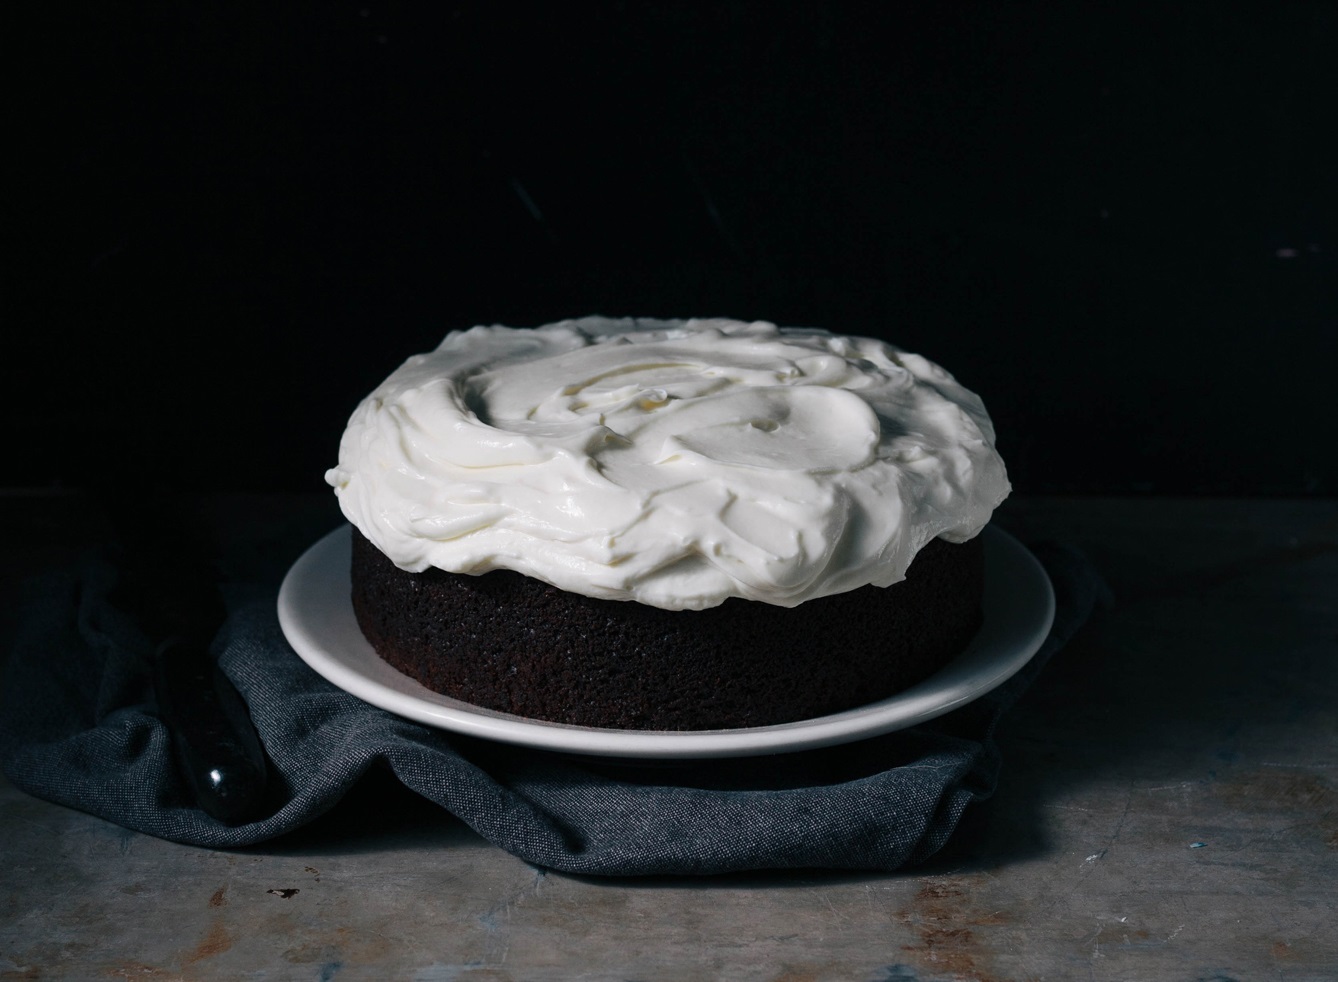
674	463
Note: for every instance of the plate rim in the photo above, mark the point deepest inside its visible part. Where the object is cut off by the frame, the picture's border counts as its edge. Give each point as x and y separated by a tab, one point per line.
1019	612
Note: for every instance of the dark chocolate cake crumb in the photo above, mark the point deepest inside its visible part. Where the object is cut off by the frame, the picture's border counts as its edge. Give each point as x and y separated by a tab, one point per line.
507	642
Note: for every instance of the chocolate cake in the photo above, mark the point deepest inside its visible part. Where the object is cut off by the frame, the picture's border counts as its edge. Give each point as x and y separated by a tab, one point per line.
668	525
515	644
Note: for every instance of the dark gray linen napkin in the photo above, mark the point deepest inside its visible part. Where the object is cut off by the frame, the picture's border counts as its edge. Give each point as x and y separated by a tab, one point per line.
77	727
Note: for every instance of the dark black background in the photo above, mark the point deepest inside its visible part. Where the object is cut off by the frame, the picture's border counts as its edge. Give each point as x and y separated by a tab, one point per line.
1118	223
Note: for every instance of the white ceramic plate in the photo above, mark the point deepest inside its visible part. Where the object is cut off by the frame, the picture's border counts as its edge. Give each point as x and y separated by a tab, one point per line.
317	617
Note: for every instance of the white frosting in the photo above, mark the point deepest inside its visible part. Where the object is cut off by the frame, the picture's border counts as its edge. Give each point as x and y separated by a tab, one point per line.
675	463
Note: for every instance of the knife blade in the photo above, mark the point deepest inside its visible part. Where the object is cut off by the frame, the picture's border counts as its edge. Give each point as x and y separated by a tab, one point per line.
172	591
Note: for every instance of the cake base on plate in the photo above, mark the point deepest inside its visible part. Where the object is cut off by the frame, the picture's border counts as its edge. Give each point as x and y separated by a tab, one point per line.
316	616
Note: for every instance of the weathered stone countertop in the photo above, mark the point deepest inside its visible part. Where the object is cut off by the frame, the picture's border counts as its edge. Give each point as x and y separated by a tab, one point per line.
1168	810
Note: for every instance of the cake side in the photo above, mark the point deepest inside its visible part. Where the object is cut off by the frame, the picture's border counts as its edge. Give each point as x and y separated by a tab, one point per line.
515	644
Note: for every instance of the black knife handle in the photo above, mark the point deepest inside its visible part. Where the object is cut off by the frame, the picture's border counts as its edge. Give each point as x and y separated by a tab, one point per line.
214	738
